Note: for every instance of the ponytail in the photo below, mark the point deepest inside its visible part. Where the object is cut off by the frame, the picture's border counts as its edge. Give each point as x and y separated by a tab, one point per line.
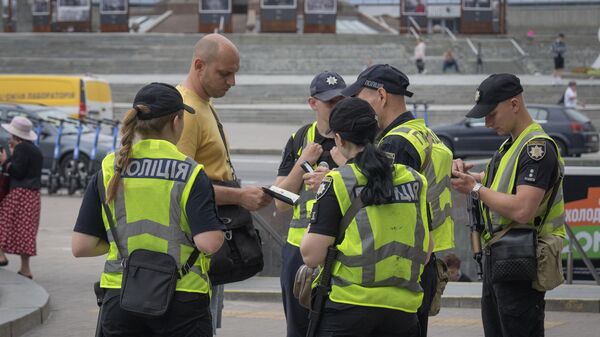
378	170
122	156
132	125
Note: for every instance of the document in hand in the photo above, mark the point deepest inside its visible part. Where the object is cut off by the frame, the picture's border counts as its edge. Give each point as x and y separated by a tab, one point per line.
281	194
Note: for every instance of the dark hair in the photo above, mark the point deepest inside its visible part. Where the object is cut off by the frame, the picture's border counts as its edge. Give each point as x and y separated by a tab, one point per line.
354	120
452	260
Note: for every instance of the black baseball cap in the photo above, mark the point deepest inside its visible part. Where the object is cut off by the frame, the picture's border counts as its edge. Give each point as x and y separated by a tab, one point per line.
493	90
380	76
162	99
354	119
326	86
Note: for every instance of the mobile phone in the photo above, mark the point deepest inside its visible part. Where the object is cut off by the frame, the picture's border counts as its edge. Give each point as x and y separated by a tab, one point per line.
307	167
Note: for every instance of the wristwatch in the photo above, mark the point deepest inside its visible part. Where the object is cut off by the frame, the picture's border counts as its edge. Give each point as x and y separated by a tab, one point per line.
475	191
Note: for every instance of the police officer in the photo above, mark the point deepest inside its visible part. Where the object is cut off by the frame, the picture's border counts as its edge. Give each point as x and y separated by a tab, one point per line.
311	143
374	289
409	141
522	184
161	201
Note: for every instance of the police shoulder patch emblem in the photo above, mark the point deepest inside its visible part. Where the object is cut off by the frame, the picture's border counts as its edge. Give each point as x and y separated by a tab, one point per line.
536	149
324	187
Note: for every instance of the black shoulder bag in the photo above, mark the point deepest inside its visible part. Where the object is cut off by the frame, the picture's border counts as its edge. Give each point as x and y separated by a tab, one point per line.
149	277
241	256
321	291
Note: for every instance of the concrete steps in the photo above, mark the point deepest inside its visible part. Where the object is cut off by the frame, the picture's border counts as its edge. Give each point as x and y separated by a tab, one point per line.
260	54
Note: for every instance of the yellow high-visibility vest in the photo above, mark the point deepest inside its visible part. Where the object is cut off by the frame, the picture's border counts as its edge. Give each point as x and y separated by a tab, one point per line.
149	211
436	166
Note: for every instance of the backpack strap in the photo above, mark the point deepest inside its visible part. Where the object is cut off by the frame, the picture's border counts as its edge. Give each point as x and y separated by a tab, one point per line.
185	268
299	140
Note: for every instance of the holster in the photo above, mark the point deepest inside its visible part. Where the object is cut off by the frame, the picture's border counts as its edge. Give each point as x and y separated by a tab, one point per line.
99	293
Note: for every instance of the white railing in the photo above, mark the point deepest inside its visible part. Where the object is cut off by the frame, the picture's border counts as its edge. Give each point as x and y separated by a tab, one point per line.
414	32
517	47
449	32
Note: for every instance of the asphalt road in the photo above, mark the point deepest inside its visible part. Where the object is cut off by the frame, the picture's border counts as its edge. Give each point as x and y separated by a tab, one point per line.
73	310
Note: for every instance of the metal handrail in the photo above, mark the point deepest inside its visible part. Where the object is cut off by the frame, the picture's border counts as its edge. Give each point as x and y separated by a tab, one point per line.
517	47
414	23
449	32
414	32
470	43
586	260
258	219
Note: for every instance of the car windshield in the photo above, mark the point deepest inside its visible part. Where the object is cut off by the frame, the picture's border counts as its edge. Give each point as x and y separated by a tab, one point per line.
576	116
68	128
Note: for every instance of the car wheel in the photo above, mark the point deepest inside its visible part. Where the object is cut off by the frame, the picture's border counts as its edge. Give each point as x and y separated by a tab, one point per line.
66	167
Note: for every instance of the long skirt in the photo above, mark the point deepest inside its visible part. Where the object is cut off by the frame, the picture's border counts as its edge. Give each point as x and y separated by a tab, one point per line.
19	221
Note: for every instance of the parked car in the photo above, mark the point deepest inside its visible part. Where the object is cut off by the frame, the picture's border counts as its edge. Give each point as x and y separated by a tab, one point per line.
48	136
572	131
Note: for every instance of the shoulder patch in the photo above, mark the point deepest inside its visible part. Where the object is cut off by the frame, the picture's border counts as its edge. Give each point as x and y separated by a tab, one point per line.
536	149
324	187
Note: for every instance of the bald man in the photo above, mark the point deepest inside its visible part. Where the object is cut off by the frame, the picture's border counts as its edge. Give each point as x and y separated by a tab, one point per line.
215	62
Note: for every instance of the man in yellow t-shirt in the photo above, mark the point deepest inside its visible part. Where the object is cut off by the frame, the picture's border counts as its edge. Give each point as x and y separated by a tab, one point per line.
212	72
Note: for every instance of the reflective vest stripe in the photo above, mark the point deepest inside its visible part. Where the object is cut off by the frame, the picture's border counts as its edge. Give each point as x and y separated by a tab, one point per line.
505	183
432	153
301	216
370	256
503	179
389	282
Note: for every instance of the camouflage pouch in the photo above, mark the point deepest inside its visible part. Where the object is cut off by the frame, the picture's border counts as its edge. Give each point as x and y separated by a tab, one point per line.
441	271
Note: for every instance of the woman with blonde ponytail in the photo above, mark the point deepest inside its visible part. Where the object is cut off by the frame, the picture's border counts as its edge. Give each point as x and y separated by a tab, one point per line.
149	196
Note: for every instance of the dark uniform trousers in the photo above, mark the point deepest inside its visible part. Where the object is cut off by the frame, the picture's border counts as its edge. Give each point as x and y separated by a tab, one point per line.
189	316
340	320
511	309
429	284
296	315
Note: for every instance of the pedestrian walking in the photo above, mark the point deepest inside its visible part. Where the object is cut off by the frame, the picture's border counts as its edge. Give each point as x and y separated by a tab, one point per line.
419	54
380	256
151	210
312	143
20	209
520	194
559	49
570	99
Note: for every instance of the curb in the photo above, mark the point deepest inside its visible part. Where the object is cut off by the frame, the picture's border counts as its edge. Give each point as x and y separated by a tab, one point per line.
470	302
16	321
260	152
21	325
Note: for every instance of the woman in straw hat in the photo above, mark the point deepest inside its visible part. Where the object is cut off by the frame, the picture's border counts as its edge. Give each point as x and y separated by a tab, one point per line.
20	209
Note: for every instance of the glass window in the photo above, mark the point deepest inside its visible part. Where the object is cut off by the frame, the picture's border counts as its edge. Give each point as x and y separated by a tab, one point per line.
538	114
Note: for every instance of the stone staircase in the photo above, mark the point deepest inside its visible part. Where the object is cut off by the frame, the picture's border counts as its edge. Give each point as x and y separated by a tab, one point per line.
260	54
279	54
